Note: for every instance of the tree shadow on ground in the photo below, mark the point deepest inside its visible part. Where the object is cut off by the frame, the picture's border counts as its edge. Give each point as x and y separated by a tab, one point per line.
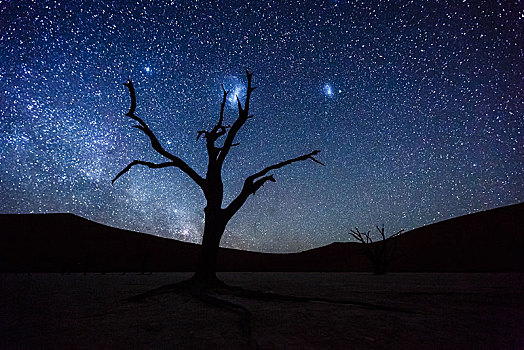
214	296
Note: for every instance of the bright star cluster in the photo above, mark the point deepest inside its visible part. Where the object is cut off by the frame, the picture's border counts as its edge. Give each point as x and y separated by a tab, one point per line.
417	107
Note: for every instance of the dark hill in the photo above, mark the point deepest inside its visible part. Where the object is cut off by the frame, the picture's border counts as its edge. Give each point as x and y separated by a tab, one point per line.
487	241
492	240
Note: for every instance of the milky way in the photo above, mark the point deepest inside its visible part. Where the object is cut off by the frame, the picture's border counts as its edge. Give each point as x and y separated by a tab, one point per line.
417	107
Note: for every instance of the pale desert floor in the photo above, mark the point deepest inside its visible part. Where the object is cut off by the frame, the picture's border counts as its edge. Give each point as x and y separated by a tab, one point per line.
431	311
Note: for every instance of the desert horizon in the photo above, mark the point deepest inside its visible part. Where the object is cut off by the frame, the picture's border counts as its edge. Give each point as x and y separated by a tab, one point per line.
489	241
93	305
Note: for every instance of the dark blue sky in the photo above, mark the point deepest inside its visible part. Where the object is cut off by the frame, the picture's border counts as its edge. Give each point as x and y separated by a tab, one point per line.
417	107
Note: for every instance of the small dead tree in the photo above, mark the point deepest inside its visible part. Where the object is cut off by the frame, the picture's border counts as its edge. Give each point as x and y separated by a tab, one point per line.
216	215
380	253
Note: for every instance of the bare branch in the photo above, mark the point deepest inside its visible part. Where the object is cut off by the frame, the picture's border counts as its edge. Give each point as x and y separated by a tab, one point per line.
140	162
260	182
382	233
200	133
219	129
179	163
222	107
365	240
355	233
132	93
286	162
239	105
211	136
257	180
243	116
317	161
368	237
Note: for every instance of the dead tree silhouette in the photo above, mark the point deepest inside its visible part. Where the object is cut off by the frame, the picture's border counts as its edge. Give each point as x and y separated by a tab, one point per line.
216	216
380	253
204	285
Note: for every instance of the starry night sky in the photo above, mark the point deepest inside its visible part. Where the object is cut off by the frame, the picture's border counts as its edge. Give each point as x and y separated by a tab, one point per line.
417	107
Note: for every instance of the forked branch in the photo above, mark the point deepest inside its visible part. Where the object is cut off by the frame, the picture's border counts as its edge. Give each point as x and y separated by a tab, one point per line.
257	180
175	161
243	116
218	130
287	162
380	253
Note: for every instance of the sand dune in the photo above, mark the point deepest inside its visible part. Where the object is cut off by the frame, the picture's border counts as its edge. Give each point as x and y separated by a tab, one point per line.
490	241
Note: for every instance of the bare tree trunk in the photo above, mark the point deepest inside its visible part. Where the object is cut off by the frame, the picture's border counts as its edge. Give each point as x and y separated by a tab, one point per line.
205	274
